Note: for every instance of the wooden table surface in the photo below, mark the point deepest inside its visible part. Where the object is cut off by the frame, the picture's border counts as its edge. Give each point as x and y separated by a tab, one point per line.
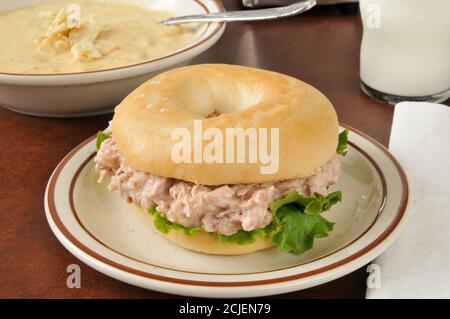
321	48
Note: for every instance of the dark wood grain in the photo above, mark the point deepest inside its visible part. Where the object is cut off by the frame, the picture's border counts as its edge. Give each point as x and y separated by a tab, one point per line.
321	47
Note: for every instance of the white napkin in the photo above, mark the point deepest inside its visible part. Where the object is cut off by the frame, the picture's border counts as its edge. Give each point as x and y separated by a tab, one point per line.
417	265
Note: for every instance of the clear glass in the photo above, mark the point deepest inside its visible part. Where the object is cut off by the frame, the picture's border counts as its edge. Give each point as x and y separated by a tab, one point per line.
405	50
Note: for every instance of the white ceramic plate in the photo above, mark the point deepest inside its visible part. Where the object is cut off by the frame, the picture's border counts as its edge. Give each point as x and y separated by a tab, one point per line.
108	234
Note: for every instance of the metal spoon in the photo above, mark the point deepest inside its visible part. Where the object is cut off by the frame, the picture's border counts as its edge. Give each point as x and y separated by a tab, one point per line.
245	15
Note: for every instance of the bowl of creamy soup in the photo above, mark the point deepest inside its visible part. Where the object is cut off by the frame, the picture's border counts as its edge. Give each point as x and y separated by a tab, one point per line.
71	58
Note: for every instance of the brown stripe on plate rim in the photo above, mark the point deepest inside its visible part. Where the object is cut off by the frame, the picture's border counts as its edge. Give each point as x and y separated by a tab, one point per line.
219	5
399	216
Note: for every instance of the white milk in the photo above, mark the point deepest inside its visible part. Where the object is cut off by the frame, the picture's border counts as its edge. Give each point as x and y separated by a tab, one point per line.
406	46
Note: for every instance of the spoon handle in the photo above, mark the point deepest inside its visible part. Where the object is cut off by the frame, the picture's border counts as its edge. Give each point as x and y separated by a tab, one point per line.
245	15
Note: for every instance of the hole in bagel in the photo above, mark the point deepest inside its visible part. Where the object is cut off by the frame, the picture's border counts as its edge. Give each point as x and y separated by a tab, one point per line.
213	114
213	96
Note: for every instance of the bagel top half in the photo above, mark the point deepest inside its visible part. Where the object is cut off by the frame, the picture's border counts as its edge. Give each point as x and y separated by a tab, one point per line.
225	96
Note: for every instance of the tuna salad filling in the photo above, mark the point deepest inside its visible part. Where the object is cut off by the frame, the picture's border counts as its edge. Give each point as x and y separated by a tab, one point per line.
225	209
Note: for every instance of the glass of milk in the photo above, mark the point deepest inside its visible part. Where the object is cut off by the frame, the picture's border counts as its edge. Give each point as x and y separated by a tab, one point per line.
405	50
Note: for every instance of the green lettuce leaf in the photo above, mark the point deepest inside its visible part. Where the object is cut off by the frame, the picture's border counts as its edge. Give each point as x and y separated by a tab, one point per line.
297	221
101	137
165	226
242	237
300	220
342	143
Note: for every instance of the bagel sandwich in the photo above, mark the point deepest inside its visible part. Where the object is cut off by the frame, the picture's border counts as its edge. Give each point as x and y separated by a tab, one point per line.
216	206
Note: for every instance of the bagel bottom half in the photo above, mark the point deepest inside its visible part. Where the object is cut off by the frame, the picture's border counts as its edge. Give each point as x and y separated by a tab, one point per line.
205	243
